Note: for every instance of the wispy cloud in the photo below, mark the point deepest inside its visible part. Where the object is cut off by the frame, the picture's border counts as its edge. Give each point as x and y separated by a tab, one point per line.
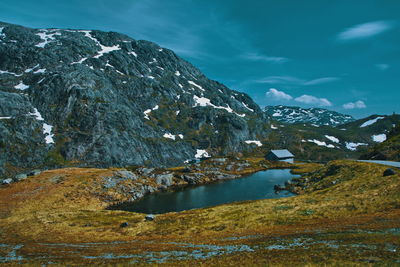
259	57
312	100
291	80
365	30
280	80
321	80
277	95
355	105
382	67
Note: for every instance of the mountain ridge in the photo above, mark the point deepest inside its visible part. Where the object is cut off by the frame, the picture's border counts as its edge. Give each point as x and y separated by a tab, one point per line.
315	116
93	98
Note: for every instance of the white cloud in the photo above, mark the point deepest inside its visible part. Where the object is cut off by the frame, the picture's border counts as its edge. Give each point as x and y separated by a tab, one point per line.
291	80
278	95
365	30
382	67
357	104
312	100
258	57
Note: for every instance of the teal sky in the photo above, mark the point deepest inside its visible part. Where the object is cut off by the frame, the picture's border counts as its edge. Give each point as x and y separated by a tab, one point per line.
342	55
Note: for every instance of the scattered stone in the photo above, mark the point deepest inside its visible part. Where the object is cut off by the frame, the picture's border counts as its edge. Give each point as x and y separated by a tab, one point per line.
244	164
193	178
229	168
57	179
34	172
186	169
126	174
7	181
165	179
211	169
150	217
219	160
278	188
124	224
145	171
20	177
389	172
225	176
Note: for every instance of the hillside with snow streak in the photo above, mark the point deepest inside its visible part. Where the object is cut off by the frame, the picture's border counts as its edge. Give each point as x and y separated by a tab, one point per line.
93	98
314	116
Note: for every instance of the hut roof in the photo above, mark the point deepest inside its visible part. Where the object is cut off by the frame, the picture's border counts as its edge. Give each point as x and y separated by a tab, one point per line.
282	153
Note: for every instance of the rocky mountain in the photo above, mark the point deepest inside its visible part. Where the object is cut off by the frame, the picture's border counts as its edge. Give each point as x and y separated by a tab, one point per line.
93	98
350	140
316	116
386	150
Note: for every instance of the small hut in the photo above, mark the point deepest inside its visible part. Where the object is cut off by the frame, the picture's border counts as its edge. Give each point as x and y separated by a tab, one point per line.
280	155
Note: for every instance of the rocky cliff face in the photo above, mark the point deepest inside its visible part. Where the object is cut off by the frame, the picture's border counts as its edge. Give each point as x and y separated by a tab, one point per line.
93	98
316	116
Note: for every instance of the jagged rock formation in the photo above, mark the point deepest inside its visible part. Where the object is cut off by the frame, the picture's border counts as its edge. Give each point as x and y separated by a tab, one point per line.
92	98
316	116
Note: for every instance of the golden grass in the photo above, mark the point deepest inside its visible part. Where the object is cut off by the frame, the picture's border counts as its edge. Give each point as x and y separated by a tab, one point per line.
68	205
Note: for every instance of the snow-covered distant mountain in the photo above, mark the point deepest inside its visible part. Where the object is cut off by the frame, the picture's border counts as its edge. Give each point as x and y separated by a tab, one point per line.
315	116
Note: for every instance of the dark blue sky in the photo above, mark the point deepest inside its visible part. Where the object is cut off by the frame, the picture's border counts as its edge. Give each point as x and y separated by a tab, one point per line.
342	55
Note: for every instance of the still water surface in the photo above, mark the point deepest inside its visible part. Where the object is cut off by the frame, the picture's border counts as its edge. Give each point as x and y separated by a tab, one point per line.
259	185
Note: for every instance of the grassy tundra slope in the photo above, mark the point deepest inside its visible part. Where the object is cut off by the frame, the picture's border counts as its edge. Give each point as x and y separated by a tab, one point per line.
388	150
348	213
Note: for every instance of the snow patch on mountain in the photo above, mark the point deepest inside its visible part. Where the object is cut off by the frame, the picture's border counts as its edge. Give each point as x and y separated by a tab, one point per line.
21	86
319	143
47	37
370	122
147	112
379	138
201	153
256	142
332	138
204	102
353	146
195	84
316	116
47	131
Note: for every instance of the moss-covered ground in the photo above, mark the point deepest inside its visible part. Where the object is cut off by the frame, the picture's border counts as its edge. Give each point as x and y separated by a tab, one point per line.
350	216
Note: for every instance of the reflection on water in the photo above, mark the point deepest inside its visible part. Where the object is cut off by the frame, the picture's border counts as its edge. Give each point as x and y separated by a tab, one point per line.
259	185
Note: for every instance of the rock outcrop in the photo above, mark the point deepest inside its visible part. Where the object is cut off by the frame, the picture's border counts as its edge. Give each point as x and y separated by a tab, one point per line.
92	98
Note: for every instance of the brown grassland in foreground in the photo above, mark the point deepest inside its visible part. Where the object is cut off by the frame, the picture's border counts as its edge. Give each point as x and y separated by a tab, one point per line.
350	215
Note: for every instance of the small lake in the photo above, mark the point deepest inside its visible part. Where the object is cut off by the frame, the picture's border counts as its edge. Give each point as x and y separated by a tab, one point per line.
259	185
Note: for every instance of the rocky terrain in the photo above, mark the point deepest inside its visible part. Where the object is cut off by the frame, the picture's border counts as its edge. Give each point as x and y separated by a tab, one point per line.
313	116
388	149
347	212
100	99
323	143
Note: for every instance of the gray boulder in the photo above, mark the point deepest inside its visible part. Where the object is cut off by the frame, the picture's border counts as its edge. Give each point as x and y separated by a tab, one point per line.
7	181
219	160
126	174
145	171
193	178
164	179
225	176
150	217
389	172
124	224
20	177
229	168
34	173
